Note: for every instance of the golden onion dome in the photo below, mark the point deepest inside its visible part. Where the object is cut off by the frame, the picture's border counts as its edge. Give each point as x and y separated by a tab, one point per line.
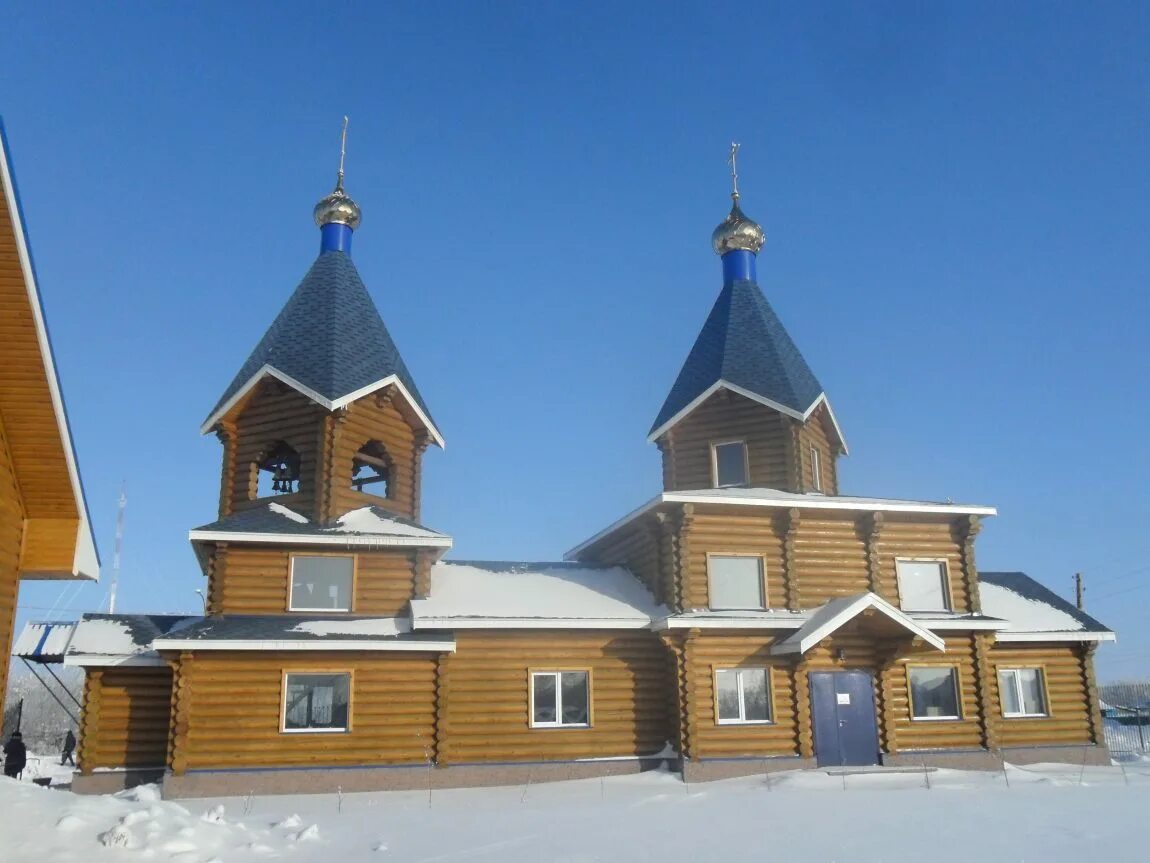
338	208
737	232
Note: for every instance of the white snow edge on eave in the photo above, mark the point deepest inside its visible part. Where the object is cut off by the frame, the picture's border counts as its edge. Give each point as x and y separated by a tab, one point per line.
315	645
85	560
101	660
1056	636
755	397
425	623
815	502
344	539
342	401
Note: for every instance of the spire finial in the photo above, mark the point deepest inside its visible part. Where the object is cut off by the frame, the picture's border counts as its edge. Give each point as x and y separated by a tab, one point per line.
732	160
342	154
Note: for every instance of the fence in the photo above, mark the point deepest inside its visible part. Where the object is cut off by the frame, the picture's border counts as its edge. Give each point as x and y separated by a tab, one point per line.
1126	717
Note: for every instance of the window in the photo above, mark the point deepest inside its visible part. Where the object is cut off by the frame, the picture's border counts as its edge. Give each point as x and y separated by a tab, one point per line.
321	583
922	585
729	464
736	582
371	469
560	699
934	692
1022	691
276	471
742	695
816	470
316	702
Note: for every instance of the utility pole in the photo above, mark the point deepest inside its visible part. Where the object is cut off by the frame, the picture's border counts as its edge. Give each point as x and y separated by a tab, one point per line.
1079	590
117	549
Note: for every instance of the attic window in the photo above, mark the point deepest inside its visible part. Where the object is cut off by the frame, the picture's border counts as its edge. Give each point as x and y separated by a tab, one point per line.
816	469
729	464
277	471
371	470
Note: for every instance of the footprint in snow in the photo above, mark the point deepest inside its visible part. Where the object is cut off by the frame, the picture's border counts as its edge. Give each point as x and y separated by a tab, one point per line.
215	815
379	846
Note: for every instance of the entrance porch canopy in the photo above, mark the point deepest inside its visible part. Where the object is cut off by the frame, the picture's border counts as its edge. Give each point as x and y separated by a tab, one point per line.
832	616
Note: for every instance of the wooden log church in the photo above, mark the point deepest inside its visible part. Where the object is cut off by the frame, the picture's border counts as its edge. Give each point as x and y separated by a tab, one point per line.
748	617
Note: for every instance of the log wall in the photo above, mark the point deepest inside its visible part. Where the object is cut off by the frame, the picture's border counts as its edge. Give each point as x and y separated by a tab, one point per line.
737	531
1068	698
392	711
124	722
252	579
638	547
923	537
485	698
375	418
817	432
965	733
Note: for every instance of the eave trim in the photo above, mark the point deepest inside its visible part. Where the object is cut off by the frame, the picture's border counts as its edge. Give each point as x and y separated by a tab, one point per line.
193	644
424	623
85	556
269	370
815	630
341	539
1055	636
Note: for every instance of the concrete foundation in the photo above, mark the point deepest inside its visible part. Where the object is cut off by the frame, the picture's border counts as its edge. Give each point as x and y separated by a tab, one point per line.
711	769
112	781
1088	754
236	783
960	759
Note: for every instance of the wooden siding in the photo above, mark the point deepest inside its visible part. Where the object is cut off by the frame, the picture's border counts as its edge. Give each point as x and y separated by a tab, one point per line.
392	713
817	432
124	722
374	418
255	579
830	557
486	705
638	547
710	652
964	733
733	532
274	412
11	536
32	431
923	537
1069	706
726	417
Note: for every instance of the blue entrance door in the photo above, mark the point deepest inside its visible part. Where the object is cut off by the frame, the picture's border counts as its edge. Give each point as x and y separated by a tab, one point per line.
842	706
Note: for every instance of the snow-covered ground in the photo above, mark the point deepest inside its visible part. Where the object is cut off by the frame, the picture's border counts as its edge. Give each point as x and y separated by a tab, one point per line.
1047	813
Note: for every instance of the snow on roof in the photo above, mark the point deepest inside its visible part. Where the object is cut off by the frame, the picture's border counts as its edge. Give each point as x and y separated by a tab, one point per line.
836	613
290	514
1032	610
380	626
100	638
773	497
43	641
506	594
373	520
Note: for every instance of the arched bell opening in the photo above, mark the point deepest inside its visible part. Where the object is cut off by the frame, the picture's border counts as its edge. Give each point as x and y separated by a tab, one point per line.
371	470
276	471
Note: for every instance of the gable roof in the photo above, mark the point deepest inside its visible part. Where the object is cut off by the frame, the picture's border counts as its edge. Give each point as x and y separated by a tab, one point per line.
836	613
31	402
120	639
743	347
1034	612
329	343
500	594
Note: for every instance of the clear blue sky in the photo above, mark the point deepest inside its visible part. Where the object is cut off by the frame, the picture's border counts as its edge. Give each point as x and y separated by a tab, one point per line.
956	198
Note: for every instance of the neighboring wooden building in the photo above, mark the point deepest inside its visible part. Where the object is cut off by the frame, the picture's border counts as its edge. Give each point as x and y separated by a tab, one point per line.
747	618
44	529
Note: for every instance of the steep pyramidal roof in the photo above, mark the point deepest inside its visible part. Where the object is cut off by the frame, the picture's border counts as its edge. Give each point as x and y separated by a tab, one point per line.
329	342
744	347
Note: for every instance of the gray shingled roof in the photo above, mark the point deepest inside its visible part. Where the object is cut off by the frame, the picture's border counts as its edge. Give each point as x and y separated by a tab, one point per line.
293	627
744	343
329	337
122	634
273	518
1026	587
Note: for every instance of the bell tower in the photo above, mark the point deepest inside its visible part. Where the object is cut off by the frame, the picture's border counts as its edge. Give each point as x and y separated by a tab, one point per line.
746	410
324	417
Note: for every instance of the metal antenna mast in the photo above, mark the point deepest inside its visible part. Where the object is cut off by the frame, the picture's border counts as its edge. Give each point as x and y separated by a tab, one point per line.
117	549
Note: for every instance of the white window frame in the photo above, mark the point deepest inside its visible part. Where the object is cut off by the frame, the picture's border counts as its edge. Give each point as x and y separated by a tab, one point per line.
956	681
350	590
816	469
948	598
1016	684
742	720
766	601
301	672
557	673
715	464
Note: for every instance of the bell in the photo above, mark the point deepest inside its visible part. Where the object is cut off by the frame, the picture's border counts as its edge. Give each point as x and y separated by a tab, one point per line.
281	479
